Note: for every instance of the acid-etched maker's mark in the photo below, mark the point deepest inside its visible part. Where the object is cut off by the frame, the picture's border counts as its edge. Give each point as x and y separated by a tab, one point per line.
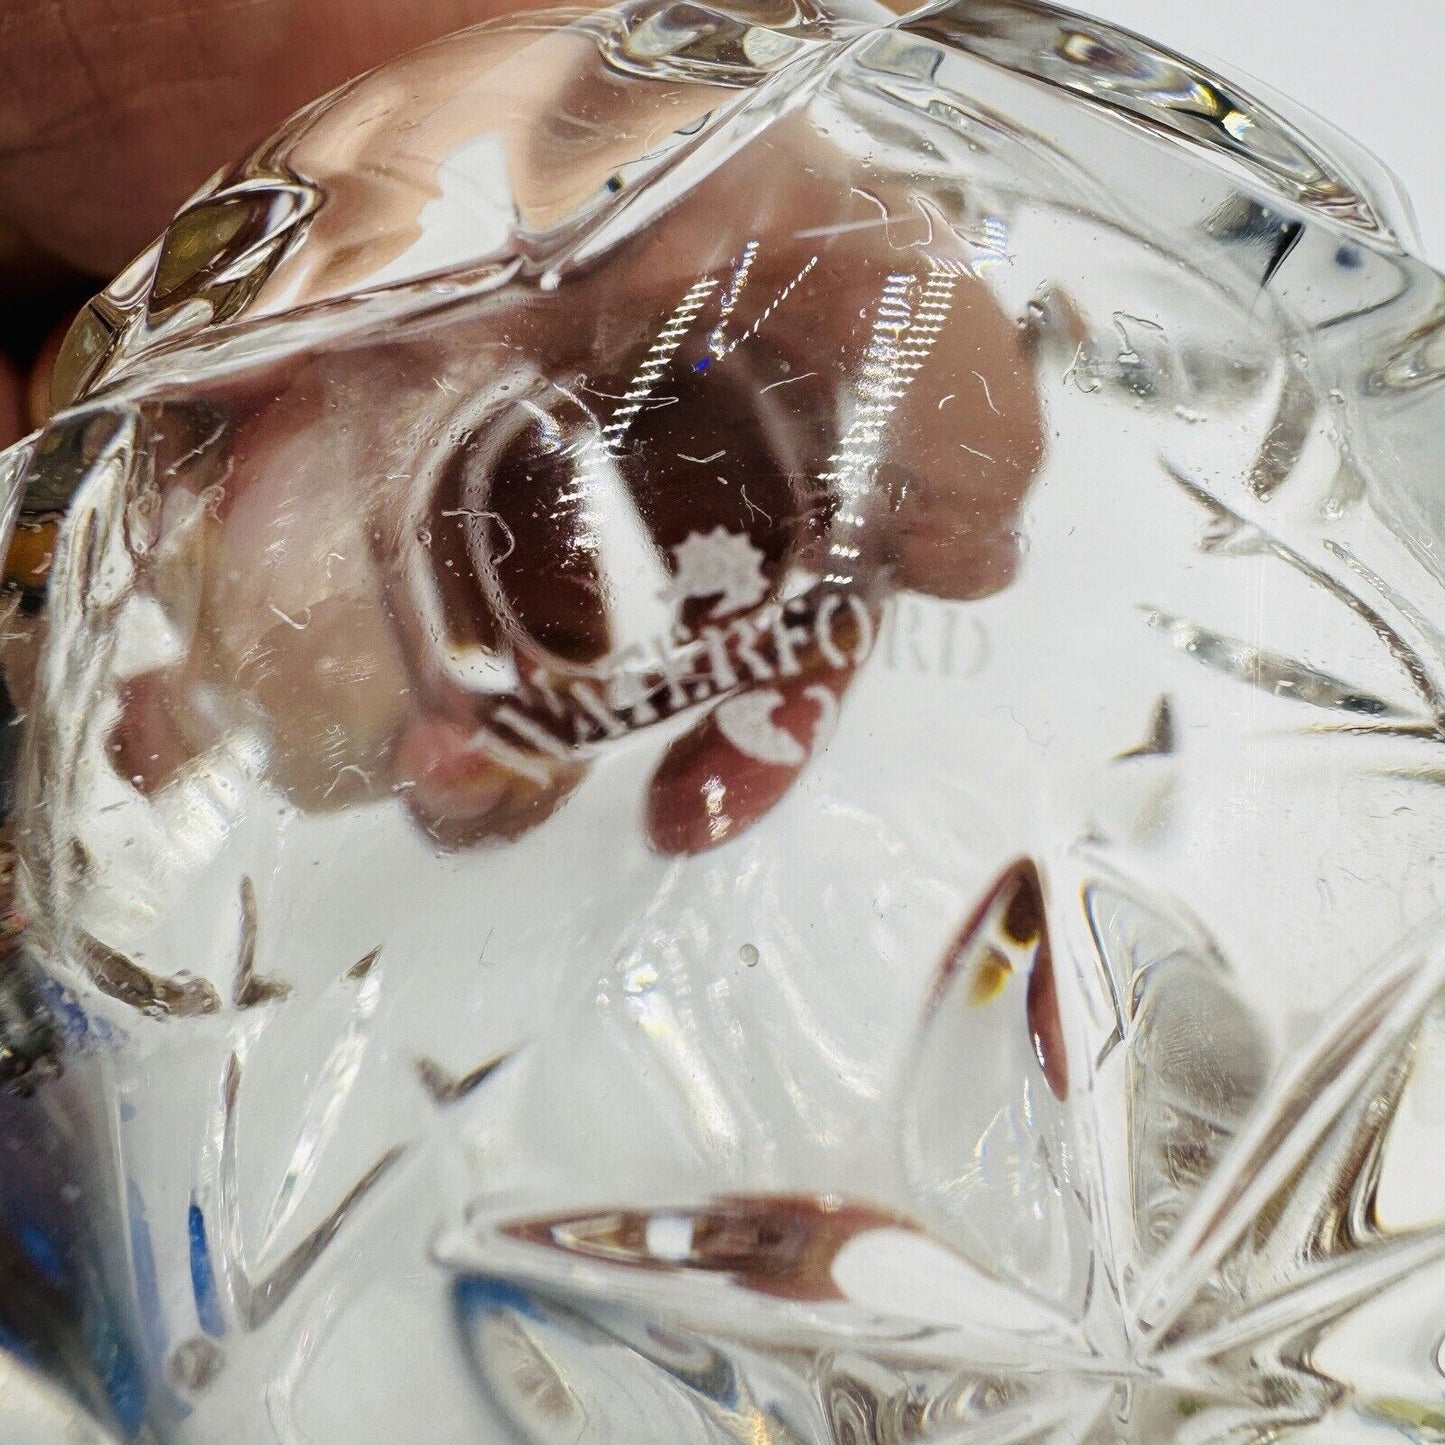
720	564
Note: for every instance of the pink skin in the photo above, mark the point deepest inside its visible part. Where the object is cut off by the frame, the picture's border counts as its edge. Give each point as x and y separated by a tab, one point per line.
706	790
955	484
112	114
324	630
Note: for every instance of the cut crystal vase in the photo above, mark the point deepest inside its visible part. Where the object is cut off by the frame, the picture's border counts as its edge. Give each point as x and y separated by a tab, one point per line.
740	739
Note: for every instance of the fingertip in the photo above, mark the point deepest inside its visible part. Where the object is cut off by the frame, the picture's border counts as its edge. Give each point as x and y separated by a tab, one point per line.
732	769
698	796
973	446
960	569
443	776
461	795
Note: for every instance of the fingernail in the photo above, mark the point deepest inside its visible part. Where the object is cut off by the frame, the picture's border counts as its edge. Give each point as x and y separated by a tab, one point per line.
736	765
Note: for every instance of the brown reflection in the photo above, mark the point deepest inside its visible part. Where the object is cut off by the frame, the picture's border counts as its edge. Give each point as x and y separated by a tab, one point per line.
457	560
1008	922
771	1244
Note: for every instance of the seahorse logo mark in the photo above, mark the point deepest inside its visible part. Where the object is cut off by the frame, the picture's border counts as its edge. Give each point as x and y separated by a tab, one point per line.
747	722
718	564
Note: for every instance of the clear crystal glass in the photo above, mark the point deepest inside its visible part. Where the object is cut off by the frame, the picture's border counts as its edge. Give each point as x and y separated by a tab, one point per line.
741	739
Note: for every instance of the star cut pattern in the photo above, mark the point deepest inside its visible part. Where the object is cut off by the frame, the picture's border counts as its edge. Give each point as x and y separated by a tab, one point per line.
1039	1284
